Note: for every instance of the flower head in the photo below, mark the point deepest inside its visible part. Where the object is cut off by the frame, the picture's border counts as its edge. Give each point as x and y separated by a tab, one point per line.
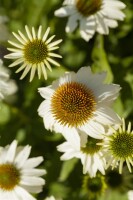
94	187
87	150
130	195
119	182
79	101
52	198
7	86
34	52
93	15
18	175
118	146
4	34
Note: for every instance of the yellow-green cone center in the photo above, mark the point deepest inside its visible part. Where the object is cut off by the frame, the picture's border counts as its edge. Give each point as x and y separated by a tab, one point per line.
121	145
91	146
9	177
95	184
88	7
94	187
73	104
35	52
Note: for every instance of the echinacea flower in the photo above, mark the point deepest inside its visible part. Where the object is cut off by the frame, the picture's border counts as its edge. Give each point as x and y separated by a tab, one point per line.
79	101
7	86
87	150
92	15
34	52
52	198
118	182
18	175
4	33
94	187
130	195
118	146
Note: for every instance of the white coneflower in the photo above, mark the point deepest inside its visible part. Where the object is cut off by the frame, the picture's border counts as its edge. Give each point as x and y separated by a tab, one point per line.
7	86
94	187
52	198
79	101
34	52
118	147
92	15
18	175
130	195
4	33
87	150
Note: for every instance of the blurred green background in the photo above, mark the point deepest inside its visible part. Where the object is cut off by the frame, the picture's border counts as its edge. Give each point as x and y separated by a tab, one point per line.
19	118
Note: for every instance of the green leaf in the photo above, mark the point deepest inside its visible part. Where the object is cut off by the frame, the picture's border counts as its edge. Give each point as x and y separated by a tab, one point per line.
67	168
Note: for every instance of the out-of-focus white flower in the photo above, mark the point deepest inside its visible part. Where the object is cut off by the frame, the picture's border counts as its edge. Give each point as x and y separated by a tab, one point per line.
34	52
130	195
18	175
52	198
88	151
79	101
92	15
4	34
7	86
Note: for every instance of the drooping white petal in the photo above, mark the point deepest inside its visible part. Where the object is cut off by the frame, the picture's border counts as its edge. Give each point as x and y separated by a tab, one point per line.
23	156
72	23
33	162
32	181
11	152
64	12
23	194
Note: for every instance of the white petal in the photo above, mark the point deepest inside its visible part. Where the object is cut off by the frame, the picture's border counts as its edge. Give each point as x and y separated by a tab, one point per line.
72	136
130	194
20	39
99	163
26	180
102	27
93	129
39	32
23	194
72	23
27	69
21	68
33	33
53	61
32	73
50	39
46	34
87	27
33	162
64	11
46	92
33	172
115	4
23	156
28	33
11	152
111	23
33	189
107	116
17	62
